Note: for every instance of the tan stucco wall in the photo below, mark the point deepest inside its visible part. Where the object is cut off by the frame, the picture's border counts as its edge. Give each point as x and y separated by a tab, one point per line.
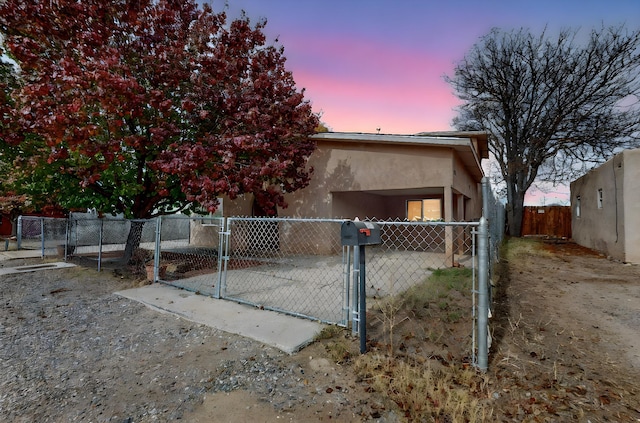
349	205
346	173
348	167
462	180
602	229
359	179
631	191
465	185
240	206
204	233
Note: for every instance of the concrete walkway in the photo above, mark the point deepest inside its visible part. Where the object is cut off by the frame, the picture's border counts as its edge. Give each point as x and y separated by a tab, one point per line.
19	254
35	267
287	333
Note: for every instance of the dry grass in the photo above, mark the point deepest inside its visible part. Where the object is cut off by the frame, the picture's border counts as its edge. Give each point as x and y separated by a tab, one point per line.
339	345
523	248
451	394
406	362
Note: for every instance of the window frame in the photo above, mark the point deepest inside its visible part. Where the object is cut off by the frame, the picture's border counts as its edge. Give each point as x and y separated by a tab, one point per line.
422	217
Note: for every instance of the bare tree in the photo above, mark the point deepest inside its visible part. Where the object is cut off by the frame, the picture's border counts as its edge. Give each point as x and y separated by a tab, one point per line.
551	105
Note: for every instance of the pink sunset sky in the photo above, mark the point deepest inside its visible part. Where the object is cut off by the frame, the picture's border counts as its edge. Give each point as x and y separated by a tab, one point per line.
369	64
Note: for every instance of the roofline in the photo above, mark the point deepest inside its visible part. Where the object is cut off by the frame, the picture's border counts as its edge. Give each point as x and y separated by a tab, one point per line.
442	138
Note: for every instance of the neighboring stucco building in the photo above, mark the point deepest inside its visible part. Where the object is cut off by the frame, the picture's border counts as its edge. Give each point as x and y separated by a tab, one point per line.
605	207
427	176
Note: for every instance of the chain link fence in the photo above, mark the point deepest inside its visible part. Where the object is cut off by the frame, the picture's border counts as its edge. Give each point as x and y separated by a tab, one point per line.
299	266
492	231
104	240
84	235
47	234
295	266
410	251
494	211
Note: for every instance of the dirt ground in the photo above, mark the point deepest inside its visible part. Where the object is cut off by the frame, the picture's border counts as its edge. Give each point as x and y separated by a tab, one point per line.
566	337
565	347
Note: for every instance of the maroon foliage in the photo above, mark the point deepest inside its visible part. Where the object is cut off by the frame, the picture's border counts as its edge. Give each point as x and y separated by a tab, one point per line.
148	107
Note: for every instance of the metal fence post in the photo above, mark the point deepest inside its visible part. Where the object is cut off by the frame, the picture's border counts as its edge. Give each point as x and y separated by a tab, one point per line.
486	194
19	232
42	235
474	293
66	238
362	308
156	253
483	305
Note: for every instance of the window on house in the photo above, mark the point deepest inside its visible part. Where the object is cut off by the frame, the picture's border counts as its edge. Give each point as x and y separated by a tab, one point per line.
424	210
600	198
578	206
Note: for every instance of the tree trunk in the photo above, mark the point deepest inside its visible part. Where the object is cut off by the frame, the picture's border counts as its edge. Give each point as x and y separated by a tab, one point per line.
515	211
133	239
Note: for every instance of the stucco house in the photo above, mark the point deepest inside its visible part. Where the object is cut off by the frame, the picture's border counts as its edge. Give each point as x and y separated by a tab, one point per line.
426	176
605	206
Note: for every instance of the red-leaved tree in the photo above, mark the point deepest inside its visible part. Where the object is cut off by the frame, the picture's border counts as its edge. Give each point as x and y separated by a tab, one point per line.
148	107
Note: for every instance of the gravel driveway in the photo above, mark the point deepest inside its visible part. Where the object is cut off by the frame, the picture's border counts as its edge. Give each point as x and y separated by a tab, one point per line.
71	350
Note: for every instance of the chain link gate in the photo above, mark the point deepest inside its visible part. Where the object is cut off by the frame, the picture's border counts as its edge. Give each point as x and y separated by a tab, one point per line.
188	253
289	265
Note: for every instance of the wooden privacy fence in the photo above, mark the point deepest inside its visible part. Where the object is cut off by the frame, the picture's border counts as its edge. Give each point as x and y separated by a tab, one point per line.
553	221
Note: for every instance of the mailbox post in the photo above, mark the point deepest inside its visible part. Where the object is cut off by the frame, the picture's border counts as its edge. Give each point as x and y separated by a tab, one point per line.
360	234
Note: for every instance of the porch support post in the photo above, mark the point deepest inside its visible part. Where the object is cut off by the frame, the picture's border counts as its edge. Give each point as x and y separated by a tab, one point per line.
448	230
459	237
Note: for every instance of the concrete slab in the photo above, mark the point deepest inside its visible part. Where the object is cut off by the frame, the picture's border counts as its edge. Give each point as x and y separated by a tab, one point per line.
35	267
19	254
287	333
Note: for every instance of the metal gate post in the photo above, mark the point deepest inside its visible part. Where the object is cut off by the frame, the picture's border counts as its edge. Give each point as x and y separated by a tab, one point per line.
67	230
225	257
362	313
483	304
346	290
474	293
486	194
157	249
222	245
355	301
